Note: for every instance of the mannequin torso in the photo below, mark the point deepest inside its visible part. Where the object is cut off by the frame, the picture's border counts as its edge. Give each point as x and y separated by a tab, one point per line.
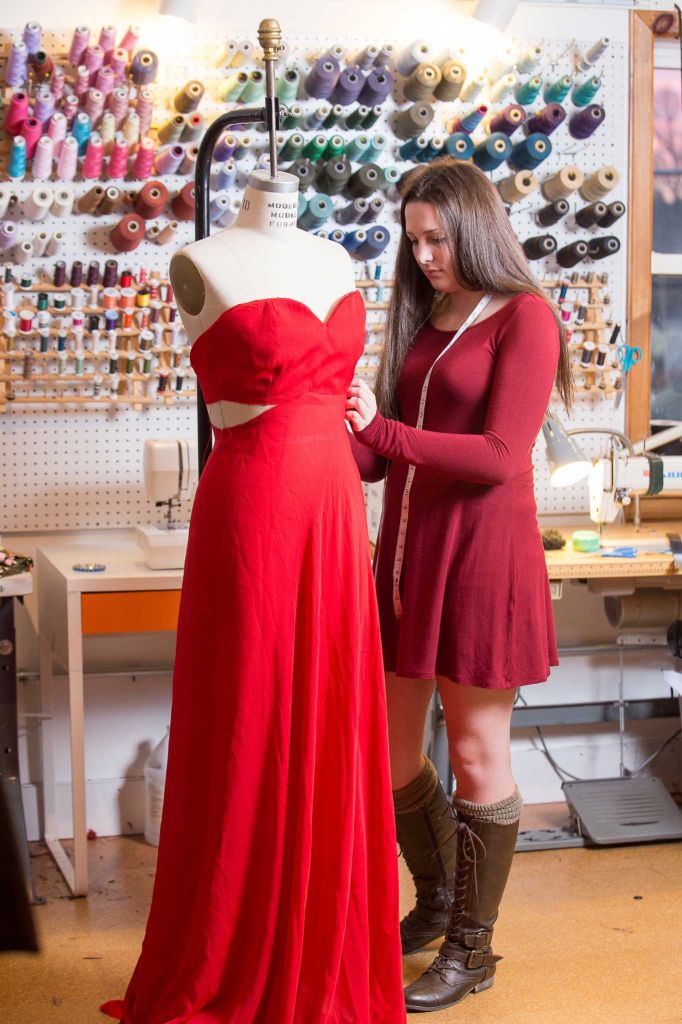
263	255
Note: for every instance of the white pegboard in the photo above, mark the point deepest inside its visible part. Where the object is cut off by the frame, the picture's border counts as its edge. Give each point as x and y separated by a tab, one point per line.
71	468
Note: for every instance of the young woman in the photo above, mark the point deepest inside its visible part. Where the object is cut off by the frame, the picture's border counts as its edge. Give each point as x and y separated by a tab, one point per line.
472	351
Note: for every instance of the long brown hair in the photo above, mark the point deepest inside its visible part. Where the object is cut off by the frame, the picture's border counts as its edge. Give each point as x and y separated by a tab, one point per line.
486	256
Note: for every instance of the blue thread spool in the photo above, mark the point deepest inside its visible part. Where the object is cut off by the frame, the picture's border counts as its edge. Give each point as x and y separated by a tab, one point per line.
287	86
378	238
460	146
584	92
319	210
293	147
302	207
392	176
337	235
527	92
220	204
557	91
80	130
470	121
17	158
377	144
354	239
488	155
546	120
377	87
413	148
322	78
322	234
353	212
434	148
348	87
357	147
226	176
585	122
529	154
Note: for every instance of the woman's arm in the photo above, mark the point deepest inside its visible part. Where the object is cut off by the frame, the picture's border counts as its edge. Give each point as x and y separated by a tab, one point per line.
524	373
372	467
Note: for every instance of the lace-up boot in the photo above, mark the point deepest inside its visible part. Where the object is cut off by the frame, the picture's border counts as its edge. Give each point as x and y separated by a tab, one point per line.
426	828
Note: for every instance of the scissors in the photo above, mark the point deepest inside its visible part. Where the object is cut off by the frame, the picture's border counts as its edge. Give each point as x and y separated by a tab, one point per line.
628	356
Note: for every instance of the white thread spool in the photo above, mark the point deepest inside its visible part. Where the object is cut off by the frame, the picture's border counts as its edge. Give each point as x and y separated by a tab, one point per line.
562	184
585	62
530	59
5	196
504	86
473	88
62	204
517	186
501	64
23	252
37	205
39	243
416	53
600	183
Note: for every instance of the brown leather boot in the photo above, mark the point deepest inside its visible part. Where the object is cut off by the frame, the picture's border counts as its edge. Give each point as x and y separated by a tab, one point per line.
427	834
465	962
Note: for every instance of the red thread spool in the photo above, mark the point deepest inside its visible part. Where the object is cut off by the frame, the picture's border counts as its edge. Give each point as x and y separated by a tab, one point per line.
183	204
151	200
25	321
128	233
31	129
17	112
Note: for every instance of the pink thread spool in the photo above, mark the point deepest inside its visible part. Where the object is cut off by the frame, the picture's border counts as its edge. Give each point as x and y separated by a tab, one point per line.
82	83
130	40
145	108
31	130
169	159
42	160
94	105
106	79
67	163
118	161
118	104
93	60
70	107
107	38
16	72
57	83
118	62
43	104
144	159
16	114
79	44
94	154
56	129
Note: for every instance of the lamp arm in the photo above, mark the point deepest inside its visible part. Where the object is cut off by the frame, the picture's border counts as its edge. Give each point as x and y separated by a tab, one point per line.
623	438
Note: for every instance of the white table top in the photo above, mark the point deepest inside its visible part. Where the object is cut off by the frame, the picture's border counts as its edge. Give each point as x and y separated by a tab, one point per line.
16	586
123	560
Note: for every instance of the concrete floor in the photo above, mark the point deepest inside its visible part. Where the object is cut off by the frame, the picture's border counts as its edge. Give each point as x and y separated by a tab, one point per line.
589	936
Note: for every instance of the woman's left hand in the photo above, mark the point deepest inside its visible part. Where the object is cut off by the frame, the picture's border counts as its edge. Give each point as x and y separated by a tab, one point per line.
361	405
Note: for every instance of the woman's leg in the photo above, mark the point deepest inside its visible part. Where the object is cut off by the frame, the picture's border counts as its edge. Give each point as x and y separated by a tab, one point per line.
408	702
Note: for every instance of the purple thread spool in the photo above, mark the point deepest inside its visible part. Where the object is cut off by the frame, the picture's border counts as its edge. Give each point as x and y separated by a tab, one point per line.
169	159
224	149
144	67
57	83
585	122
8	235
378	86
508	120
546	120
105	80
31	36
348	87
79	44
44	104
322	77
17	65
107	38
93	60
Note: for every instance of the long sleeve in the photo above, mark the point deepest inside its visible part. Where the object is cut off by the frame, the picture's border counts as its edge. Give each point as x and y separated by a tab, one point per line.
525	368
372	467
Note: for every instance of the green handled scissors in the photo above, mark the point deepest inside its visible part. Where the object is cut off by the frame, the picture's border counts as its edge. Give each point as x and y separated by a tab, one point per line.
628	356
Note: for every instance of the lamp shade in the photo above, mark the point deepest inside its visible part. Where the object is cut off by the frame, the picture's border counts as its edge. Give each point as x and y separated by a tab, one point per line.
497	13
567	463
185	9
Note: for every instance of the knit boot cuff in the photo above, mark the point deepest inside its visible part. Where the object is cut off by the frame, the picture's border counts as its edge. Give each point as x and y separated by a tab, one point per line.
418	792
504	812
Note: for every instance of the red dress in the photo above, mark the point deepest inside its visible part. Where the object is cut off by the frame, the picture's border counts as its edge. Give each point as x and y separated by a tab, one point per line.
475	598
276	892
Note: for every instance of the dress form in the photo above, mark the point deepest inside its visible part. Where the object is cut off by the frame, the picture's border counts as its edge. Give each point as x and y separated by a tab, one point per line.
262	255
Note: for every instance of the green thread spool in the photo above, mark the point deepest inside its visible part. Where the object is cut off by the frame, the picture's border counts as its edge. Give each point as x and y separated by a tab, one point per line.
365	180
333	117
373	116
302	206
335	147
243	147
334	176
356	118
357	147
293	147
254	90
294	117
320	209
234	86
377	145
556	92
287	86
584	92
314	149
527	92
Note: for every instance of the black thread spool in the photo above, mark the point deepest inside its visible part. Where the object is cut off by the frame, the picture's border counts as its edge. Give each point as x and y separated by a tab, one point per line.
334	176
602	352
76	273
306	172
552	213
614	211
590	215
572	254
365	180
538	246
600	248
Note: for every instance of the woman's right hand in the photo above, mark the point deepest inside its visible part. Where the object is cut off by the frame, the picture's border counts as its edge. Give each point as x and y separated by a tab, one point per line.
361	405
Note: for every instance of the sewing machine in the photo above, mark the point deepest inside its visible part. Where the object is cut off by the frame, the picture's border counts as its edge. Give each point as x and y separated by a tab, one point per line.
617	478
171	471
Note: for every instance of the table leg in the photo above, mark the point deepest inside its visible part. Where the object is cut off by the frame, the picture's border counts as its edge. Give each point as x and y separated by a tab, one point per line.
77	733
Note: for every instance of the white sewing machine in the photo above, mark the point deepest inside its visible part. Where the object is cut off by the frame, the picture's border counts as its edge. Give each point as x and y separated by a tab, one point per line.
171	471
619	477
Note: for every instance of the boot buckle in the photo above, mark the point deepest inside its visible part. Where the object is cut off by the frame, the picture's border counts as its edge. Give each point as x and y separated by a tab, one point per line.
477	940
476	958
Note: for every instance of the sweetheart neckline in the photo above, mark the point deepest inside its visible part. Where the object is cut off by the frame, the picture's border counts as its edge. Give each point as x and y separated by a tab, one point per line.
281	298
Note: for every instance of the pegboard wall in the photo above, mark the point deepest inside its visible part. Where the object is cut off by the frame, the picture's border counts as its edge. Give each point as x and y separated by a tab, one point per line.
69	466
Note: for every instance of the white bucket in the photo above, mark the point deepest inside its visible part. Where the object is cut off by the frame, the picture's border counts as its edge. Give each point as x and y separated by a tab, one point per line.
155	781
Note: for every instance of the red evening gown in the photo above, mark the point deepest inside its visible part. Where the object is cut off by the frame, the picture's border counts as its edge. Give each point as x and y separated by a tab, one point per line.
276	892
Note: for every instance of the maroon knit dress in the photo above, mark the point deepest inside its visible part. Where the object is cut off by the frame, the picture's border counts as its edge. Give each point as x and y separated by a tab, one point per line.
475	597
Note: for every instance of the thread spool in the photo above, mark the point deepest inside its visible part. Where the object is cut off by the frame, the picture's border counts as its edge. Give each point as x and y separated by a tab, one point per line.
600	248
16	113
530	153
539	246
587	353
42	161
305	171
460	145
226	176
294	118
189	97
547	120
558	90
600	183
315	119
233	87
367	58
189	163
105	80
128	233
118	104
335	147
319	209
169	159
321	78
118	62
472	88
357	117
584	92
94	156
16	71
590	215
518	186
23	252
374	209
8	235
39	243
614	211
80	130
527	92
43	104
5	196
562	184
585	61
131	129
79	44
416	53
37	205
243	149
334	176
530	59
377	87
469	121
422	82
572	254
93	59
172	129
89	203
414	148
333	117
507	120
501	64
552	213
56	130
365	180
374	244
30	131
372	117
184	202
353	212
348	87
144	159
502	88
94	105
433	149
151	200
414	120
585	122
144	67
254	90
288	85
493	151
315	147
453	76
377	145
